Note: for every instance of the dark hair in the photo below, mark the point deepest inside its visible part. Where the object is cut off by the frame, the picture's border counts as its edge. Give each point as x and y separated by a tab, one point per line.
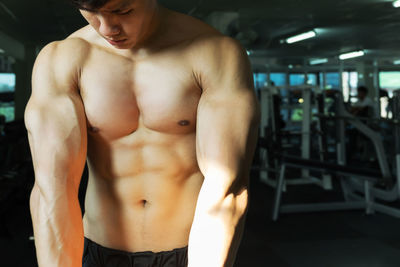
362	89
89	4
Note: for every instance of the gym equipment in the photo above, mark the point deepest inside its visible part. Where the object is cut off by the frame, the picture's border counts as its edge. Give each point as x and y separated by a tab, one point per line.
272	133
361	187
367	176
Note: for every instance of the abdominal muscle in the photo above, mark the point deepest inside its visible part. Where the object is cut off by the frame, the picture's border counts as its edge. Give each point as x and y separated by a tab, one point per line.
147	204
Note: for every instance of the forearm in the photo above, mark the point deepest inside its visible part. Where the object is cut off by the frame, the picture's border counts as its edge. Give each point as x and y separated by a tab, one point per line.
58	229
217	229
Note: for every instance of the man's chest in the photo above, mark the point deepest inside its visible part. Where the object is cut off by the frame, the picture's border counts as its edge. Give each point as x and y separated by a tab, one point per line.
121	95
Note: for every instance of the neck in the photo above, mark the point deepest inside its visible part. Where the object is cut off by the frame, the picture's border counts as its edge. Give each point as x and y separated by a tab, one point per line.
153	30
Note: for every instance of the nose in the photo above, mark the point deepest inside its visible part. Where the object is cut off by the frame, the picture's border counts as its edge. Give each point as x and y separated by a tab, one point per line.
109	26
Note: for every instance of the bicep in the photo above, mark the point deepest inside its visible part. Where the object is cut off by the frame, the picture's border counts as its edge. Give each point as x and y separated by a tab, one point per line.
228	114
226	134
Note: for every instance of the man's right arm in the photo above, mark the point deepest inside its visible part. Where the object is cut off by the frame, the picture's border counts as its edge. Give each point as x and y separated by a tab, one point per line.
56	124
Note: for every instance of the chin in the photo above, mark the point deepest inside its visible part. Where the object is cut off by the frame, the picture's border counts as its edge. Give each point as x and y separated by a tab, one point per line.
125	45
128	45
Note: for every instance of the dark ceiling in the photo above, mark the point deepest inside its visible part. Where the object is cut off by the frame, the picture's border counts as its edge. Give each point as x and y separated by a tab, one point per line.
342	25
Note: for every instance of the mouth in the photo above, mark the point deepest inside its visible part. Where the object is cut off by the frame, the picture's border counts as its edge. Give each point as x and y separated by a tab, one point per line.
116	42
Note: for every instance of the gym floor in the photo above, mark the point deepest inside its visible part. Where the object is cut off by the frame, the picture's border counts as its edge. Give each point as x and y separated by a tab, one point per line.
330	239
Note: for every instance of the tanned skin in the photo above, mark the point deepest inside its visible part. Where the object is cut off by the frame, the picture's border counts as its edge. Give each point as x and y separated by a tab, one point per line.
163	109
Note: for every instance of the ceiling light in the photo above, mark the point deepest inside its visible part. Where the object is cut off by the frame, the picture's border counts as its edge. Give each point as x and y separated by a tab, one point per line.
396	62
301	37
352	55
396	4
2	51
317	61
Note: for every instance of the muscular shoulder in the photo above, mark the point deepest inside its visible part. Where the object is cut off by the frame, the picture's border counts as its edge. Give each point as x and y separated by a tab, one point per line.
73	49
208	48
59	63
218	57
217	47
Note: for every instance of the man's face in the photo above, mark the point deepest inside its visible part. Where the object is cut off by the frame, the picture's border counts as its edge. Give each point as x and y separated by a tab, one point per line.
123	23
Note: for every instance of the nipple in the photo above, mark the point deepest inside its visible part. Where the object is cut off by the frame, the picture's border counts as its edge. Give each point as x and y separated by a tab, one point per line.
184	123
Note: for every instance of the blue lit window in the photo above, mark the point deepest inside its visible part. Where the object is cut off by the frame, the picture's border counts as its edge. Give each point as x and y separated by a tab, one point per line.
332	80
7	87
7	82
279	79
297	79
312	79
260	80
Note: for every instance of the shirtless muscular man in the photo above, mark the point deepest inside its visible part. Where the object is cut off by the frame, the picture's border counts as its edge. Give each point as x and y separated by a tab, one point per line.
162	107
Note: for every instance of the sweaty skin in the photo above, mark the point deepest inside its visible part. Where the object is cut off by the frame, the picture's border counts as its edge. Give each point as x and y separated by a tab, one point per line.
167	121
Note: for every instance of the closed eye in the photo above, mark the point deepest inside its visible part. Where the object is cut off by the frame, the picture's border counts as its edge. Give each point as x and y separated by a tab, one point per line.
125	12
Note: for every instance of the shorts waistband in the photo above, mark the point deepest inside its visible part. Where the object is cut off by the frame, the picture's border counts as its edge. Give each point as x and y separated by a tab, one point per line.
140	253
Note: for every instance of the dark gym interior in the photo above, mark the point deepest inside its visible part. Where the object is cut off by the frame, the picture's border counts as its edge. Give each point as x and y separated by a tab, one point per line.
325	180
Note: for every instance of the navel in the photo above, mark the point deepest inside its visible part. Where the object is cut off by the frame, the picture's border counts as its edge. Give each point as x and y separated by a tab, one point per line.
184	123
144	203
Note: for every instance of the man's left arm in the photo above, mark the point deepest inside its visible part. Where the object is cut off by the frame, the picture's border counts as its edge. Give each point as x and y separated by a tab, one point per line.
226	136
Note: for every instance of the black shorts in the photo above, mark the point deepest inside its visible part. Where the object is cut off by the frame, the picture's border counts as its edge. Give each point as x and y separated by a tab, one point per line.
95	255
